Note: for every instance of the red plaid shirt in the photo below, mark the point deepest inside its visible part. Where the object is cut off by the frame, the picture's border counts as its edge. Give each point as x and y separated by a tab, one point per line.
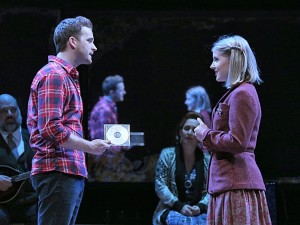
54	112
104	112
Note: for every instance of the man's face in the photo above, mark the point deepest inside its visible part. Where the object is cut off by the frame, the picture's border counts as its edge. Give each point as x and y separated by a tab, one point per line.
10	118
85	46
118	94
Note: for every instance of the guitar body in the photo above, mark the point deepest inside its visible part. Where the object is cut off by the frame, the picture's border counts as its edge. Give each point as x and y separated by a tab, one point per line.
18	179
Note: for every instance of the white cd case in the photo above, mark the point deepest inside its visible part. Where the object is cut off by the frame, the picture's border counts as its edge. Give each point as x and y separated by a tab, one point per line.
118	134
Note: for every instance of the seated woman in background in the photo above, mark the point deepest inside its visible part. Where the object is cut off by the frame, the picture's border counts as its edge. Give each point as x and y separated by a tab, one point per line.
180	179
197	100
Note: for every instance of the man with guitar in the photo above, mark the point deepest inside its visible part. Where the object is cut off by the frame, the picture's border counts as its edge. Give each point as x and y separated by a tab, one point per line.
18	200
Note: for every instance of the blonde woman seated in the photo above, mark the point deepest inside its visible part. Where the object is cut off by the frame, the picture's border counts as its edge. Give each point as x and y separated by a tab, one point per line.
180	179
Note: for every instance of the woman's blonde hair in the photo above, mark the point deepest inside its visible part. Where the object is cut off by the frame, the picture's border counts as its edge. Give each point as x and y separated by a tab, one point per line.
201	97
242	62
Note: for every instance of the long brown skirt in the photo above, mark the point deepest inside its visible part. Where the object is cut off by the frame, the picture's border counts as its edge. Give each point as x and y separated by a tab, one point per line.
239	207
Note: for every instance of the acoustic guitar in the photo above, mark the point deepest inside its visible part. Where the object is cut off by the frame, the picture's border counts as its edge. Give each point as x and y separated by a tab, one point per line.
17	178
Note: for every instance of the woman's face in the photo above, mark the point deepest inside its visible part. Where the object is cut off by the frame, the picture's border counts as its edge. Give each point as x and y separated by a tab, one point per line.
187	132
190	102
220	65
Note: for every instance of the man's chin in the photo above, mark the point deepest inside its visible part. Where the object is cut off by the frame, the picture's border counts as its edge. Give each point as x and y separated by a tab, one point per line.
10	128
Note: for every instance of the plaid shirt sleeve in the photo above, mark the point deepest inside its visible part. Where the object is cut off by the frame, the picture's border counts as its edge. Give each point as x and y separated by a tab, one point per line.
50	109
103	113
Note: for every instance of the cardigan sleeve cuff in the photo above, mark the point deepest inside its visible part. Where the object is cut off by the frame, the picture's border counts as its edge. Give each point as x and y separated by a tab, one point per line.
203	208
178	205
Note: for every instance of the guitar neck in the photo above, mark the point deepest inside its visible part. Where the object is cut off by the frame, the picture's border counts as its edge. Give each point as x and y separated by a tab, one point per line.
20	177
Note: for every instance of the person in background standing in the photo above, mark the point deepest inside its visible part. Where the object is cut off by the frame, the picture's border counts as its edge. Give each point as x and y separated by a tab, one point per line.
235	182
112	166
54	116
105	110
18	200
197	100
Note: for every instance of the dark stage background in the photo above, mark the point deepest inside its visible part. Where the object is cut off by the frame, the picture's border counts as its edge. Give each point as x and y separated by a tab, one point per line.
161	53
161	48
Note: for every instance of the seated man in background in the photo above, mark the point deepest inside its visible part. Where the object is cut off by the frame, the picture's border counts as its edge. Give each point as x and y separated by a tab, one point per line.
18	200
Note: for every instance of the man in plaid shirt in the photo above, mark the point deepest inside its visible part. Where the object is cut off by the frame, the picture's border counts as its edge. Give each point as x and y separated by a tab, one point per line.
112	165
54	120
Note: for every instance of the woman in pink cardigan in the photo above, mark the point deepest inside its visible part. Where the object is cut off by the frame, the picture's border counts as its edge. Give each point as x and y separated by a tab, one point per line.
235	182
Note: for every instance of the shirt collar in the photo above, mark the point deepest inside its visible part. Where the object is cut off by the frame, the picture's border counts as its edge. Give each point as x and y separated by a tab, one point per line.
16	135
110	102
67	66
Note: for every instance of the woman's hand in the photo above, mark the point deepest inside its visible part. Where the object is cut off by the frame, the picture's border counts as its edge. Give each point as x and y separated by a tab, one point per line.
199	130
196	210
187	210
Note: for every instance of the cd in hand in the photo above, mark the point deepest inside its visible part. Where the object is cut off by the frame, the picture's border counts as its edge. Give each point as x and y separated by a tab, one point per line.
118	134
